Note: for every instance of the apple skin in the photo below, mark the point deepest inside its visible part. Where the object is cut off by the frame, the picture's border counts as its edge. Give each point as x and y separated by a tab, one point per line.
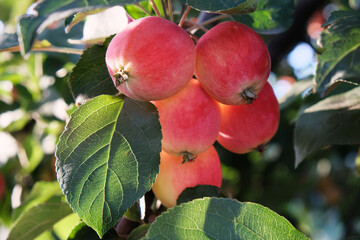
249	126
2	186
190	121
174	177
151	59
232	58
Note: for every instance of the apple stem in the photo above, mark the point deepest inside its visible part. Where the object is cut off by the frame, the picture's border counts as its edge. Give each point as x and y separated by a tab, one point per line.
249	95
188	157
211	20
171	10
156	10
164	7
120	77
183	17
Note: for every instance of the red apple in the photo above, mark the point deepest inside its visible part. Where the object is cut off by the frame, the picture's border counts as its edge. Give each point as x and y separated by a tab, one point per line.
151	59
232	63
249	126
2	186
175	176
190	121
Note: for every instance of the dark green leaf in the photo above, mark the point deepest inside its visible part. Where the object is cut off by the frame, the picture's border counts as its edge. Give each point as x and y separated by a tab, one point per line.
49	11
139	232
339	60
199	191
133	213
82	231
224	6
221	218
336	15
332	121
270	17
38	219
90	76
8	41
108	157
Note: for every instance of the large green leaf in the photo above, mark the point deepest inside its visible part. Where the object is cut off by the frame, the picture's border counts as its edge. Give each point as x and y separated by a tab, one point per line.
49	11
341	43
90	76
39	218
270	17
199	191
221	218
224	6
108	157
332	121
82	232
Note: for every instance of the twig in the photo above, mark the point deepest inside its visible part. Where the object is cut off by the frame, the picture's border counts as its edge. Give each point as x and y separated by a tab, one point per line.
197	25
48	49
153	5
214	19
142	8
183	17
164	8
170	10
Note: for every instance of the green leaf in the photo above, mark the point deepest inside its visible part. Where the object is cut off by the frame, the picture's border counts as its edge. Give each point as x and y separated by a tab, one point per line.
339	60
270	17
224	6
49	11
133	213
38	219
82	231
200	191
78	17
327	123
8	41
139	232
40	193
336	15
221	218
90	76
34	153
108	157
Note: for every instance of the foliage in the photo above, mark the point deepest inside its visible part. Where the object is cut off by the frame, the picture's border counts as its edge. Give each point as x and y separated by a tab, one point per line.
106	146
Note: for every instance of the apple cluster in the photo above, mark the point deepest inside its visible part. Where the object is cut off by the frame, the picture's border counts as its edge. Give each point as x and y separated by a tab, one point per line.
229	100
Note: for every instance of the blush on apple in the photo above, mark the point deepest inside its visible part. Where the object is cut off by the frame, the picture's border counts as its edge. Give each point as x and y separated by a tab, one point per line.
190	121
175	176
232	63
151	59
249	126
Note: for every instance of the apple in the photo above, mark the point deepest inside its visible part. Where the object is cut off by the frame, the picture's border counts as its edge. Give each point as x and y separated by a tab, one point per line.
232	63
2	186
175	176
151	59
190	121
249	126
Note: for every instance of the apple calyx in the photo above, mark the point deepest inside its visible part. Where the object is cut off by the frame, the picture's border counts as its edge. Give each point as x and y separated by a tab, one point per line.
188	157
120	76
261	148
249	95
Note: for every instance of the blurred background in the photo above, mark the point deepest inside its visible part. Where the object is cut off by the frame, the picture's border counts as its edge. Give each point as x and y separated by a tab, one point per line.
320	197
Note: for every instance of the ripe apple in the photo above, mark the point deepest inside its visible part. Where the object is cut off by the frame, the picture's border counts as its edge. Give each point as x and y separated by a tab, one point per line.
249	126
175	176
232	63
190	121
151	59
